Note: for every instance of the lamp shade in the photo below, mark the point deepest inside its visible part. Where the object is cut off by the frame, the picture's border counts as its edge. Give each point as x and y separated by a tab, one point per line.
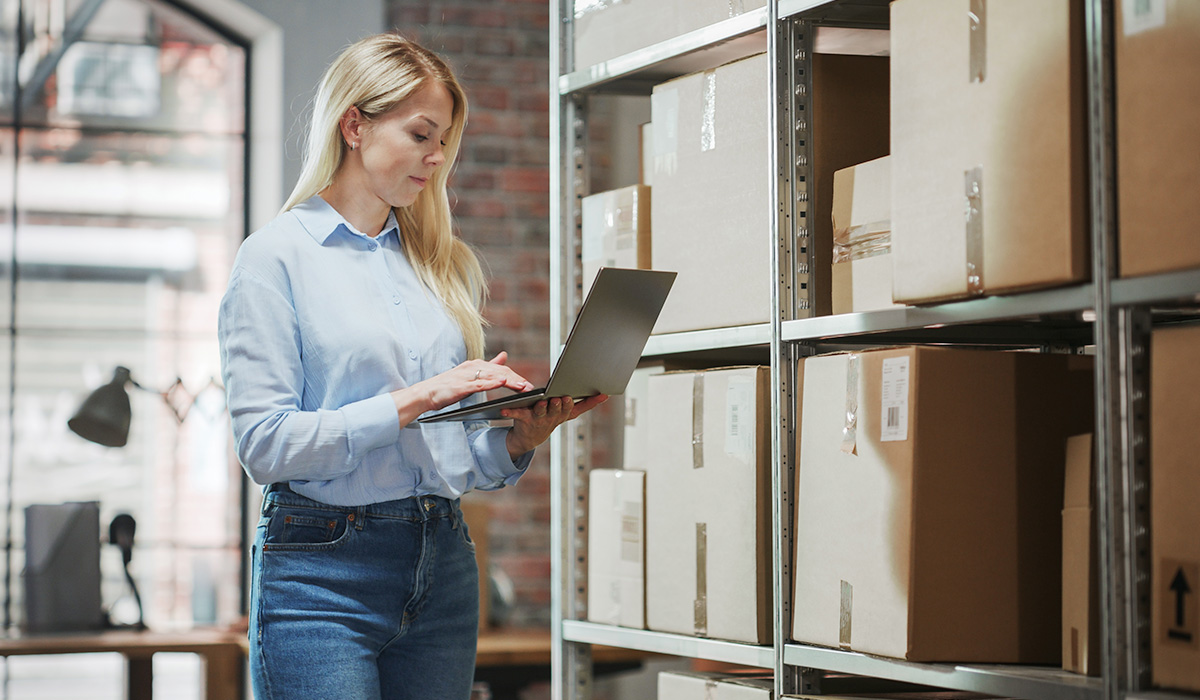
104	416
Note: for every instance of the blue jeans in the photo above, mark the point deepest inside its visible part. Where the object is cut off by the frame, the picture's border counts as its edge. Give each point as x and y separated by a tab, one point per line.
377	602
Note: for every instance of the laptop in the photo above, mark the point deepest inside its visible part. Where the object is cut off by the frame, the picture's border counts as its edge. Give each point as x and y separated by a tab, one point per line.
601	351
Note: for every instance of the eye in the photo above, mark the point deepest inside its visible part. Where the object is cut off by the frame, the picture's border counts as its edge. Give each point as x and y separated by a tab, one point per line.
420	138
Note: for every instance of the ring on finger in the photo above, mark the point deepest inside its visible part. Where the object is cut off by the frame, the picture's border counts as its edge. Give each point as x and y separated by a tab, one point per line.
477	373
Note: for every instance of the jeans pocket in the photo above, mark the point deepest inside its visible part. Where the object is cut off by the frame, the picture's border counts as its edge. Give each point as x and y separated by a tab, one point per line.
463	531
296	529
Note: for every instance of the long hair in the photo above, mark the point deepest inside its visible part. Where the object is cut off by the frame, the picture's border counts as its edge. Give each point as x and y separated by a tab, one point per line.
376	74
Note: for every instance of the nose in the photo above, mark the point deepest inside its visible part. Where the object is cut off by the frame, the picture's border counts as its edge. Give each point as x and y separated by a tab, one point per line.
437	156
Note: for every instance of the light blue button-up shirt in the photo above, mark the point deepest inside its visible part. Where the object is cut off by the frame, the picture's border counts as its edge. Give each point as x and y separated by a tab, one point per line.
319	323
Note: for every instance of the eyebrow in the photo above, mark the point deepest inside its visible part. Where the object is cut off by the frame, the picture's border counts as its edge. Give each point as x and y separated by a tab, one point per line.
431	123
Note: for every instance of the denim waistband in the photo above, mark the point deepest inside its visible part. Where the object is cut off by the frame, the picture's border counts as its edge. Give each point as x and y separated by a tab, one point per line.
414	507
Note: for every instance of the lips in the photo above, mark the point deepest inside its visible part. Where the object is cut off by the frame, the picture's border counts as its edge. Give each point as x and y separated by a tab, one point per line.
419	180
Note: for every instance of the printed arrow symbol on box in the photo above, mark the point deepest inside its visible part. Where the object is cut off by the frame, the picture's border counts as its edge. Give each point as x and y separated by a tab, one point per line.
1181	588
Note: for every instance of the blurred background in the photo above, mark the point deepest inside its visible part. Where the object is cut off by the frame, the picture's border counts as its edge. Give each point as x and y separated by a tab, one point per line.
140	142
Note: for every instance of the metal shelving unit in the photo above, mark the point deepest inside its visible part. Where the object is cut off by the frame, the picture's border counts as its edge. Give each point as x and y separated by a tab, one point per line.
1114	315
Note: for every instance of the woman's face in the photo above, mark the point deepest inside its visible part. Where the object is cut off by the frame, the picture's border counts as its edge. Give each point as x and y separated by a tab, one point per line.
401	149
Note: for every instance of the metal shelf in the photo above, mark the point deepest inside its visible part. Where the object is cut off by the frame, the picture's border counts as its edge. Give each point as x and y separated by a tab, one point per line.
976	320
1157	289
1028	682
672	644
714	339
639	71
867	12
1161	695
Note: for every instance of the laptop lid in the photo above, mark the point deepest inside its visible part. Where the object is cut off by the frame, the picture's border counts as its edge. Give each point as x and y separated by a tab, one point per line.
603	347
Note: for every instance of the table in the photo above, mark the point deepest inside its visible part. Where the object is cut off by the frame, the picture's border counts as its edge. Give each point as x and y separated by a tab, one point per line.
507	659
221	651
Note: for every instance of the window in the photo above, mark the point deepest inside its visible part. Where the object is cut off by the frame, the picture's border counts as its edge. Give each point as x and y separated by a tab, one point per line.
122	198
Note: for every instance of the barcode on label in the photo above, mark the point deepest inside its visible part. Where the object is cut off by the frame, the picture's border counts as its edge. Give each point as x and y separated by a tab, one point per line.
894	404
734	422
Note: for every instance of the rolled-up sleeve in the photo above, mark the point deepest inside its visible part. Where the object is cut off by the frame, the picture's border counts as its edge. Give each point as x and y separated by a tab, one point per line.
264	378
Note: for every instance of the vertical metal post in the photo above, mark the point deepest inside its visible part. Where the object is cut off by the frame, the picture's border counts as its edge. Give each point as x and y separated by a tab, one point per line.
571	670
1116	354
799	132
787	56
1134	330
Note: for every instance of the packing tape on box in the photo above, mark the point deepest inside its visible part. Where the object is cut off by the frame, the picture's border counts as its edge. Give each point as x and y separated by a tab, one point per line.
664	108
701	602
583	8
736	7
977	23
973	181
846	615
708	117
850	429
862	241
698	420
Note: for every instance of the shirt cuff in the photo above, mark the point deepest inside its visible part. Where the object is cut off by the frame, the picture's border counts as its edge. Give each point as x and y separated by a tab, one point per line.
370	424
498	466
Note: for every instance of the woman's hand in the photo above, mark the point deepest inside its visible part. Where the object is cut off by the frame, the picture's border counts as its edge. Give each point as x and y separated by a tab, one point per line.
456	384
532	426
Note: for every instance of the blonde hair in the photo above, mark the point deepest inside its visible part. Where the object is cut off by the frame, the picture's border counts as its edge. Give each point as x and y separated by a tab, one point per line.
376	74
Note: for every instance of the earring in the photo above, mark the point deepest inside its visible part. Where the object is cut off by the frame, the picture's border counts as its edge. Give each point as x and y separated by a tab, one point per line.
353	146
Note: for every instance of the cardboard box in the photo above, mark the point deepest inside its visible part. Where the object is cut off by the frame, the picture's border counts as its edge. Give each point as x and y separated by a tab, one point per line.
862	237
1081	651
708	507
710	207
850	127
605	29
708	685
477	515
616	231
617	547
1157	47
711	210
637	416
1175	507
928	527
989	148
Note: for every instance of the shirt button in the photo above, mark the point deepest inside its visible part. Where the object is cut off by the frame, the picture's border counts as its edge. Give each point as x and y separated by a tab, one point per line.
412	355
396	299
372	246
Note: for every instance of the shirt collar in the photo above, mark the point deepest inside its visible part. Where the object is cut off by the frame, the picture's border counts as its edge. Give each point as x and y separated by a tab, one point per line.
320	220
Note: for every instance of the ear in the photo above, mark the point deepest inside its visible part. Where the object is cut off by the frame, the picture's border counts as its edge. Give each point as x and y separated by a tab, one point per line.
351	126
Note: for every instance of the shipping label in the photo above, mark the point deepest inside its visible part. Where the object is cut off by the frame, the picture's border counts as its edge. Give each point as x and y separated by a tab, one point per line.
894	390
1138	16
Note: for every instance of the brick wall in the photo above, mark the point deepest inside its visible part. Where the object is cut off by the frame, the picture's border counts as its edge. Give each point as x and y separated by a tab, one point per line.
500	50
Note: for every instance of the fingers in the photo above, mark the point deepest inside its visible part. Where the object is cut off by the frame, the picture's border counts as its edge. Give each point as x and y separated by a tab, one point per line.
493	374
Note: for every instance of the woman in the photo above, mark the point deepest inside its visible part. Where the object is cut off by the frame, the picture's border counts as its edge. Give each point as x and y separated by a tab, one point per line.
349	315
